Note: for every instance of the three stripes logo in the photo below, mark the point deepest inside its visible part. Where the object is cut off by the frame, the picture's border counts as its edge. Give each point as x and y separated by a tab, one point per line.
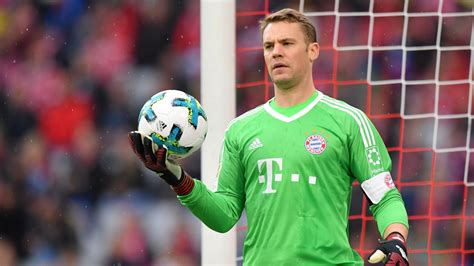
372	152
359	116
256	143
161	125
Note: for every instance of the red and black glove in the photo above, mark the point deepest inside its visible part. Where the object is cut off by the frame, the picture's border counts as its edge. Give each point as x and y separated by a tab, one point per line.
155	158
391	251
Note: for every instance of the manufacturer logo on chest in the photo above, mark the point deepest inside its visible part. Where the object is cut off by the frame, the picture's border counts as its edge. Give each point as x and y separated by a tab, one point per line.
315	144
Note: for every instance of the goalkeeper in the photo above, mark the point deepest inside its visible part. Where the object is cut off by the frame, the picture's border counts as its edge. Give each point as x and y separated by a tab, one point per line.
290	164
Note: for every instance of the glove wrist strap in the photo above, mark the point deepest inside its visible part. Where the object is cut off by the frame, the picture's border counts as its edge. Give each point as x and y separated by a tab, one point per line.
185	185
396	236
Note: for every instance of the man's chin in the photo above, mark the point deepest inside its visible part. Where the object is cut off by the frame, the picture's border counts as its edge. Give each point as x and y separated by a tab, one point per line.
282	83
280	78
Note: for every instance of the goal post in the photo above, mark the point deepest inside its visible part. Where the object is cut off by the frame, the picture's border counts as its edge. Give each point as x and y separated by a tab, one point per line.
218	97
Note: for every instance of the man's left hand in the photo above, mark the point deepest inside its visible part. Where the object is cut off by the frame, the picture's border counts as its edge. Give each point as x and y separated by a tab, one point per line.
391	251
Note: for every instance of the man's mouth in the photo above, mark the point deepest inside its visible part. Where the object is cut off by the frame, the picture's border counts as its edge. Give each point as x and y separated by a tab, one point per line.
279	65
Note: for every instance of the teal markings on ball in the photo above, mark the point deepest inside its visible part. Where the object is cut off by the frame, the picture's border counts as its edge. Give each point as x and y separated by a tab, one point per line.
195	109
176	120
147	111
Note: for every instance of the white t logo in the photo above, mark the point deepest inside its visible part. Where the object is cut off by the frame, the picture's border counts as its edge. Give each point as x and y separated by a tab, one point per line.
269	174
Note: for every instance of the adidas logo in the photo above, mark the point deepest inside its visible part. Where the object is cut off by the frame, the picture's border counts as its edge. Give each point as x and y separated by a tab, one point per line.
255	144
161	125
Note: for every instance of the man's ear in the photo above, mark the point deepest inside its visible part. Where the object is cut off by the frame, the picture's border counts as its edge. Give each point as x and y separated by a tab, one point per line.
313	51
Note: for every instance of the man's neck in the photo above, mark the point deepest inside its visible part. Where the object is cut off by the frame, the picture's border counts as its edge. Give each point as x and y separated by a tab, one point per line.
293	96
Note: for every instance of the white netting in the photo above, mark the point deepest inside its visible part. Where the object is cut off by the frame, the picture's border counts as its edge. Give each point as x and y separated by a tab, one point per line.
409	66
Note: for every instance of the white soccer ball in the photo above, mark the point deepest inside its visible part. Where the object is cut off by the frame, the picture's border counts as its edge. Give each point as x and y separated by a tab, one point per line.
176	120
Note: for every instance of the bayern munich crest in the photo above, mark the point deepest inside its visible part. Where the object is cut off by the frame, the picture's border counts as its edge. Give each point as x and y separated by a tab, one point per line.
315	144
389	181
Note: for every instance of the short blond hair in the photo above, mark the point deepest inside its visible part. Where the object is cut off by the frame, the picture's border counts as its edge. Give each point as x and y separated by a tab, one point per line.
292	16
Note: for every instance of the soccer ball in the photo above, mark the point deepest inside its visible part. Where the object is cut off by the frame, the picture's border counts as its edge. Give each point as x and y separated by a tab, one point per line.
176	120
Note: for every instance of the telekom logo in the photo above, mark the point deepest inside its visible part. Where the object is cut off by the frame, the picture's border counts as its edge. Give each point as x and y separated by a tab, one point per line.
269	174
274	167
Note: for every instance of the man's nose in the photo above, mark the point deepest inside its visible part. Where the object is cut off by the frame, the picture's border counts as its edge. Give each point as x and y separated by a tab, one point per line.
277	50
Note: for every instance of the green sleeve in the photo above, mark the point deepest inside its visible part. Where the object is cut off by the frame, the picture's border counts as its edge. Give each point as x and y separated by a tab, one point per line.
368	154
371	164
389	210
220	210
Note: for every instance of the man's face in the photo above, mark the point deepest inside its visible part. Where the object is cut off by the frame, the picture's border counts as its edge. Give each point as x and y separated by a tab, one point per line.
287	54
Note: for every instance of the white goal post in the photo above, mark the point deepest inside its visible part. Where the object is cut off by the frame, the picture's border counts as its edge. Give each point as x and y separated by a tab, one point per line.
218	97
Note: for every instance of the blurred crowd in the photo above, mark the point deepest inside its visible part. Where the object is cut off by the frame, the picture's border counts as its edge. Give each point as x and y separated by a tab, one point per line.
75	73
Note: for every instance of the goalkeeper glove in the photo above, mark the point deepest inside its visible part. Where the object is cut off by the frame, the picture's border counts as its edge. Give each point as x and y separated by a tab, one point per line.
391	251
170	171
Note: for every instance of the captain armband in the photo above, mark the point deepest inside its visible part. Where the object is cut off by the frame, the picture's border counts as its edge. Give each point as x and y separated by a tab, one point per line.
376	187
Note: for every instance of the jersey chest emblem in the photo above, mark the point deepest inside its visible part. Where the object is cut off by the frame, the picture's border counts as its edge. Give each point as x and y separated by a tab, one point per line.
315	144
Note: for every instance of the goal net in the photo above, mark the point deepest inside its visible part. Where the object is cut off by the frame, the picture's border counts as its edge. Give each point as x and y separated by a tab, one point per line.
409	66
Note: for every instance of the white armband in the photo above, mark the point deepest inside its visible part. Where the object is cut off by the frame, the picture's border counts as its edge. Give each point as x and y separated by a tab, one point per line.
376	187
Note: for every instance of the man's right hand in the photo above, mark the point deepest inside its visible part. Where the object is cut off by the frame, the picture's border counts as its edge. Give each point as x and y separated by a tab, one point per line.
154	157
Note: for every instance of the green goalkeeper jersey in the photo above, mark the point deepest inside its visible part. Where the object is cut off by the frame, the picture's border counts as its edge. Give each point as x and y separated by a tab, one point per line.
292	170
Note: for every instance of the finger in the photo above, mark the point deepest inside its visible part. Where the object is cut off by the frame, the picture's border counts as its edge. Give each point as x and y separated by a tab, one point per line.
135	141
148	148
161	155
377	256
396	259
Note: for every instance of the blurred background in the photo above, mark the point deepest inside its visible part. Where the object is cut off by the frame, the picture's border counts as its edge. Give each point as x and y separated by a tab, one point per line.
75	73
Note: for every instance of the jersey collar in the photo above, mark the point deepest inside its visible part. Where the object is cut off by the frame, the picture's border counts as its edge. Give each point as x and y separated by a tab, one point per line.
299	114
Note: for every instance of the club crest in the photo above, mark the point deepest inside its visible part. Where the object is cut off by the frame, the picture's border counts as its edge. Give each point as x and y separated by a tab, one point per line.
389	181
315	144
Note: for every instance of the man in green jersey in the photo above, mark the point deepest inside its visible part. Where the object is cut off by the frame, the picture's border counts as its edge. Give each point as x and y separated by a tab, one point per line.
290	164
